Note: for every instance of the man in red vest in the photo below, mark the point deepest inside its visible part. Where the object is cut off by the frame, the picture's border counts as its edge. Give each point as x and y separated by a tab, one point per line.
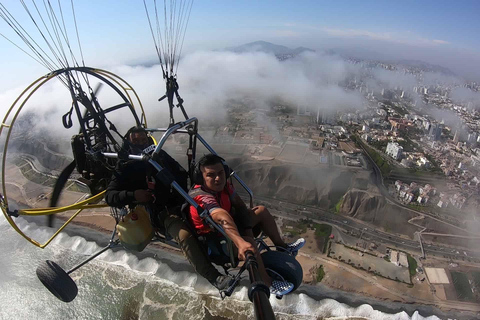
212	192
131	185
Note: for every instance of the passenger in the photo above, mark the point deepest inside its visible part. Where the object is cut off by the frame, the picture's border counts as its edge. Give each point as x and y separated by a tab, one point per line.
241	224
133	184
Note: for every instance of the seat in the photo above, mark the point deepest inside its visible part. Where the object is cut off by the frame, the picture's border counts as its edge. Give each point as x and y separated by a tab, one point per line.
220	250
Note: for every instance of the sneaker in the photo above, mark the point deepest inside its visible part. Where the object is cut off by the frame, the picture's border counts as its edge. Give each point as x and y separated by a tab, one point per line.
222	282
295	246
280	288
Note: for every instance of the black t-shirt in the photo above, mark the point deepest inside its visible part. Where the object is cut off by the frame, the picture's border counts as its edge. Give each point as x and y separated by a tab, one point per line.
133	175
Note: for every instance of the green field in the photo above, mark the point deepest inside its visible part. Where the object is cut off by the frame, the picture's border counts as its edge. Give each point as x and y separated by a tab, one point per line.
412	265
462	286
382	164
322	232
338	205
476	279
320	274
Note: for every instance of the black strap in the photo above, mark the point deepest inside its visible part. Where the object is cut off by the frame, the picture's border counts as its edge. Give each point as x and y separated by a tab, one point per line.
67	119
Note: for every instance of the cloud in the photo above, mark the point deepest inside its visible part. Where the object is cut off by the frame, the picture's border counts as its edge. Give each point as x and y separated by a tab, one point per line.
210	78
450	118
209	81
350	33
440	41
382	78
286	33
398	37
466	96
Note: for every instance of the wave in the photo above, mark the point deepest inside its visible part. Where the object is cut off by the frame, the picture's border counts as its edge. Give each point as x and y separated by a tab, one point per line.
151	282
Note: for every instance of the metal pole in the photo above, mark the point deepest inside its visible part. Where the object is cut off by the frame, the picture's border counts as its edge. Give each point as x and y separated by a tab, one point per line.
258	292
173	129
110	245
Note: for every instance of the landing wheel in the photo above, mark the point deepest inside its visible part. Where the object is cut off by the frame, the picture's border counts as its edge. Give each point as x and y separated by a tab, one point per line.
57	281
284	265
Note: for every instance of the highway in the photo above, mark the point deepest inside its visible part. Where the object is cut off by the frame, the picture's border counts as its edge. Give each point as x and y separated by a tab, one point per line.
317	215
392	200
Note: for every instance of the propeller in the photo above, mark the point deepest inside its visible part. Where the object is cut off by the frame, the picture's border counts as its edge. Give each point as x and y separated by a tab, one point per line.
66	172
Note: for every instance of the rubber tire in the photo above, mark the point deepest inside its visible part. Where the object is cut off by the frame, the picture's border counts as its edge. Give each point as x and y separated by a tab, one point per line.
285	265
57	281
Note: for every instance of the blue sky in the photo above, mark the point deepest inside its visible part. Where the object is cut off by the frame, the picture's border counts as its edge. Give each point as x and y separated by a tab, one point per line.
116	32
453	22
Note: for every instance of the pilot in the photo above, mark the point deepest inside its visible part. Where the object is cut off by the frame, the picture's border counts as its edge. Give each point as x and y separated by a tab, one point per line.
133	184
212	192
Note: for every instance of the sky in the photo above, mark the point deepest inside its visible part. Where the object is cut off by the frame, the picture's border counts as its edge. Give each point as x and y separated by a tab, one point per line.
113	32
115	36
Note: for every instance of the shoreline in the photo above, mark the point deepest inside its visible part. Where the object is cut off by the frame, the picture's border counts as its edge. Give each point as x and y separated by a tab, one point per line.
175	259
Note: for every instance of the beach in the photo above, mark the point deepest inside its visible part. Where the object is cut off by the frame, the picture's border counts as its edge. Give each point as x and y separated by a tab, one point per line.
98	228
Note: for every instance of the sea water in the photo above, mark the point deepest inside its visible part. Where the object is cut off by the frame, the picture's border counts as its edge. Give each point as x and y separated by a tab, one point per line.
118	285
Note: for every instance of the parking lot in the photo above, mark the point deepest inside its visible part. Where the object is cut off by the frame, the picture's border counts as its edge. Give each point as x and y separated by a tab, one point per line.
369	263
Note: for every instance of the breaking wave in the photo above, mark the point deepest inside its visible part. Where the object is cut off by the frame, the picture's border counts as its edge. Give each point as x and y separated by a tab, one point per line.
121	285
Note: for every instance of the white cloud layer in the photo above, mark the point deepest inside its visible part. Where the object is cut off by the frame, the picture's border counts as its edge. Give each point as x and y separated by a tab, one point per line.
208	81
404	38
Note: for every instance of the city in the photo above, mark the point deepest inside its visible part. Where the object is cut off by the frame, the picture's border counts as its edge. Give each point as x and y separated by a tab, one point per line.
425	168
356	124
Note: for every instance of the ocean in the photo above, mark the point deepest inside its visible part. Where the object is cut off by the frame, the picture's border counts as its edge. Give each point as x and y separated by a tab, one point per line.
121	285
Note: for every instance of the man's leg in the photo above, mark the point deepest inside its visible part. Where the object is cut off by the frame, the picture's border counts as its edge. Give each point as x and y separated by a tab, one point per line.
261	217
191	248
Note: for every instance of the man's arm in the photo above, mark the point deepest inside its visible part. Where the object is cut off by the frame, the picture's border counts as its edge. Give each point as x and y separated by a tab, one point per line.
225	220
118	195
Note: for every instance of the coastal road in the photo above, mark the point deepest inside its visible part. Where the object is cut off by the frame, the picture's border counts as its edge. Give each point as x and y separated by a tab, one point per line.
393	201
355	228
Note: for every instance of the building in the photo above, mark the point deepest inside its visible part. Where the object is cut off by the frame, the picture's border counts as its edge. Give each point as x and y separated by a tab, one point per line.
423	162
394	150
367	138
303	110
436	131
427	125
472	138
456	136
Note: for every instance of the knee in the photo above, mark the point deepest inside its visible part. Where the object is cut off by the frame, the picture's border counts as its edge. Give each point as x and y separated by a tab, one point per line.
261	211
183	235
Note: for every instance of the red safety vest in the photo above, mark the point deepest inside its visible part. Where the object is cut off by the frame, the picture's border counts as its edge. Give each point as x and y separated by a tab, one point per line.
198	194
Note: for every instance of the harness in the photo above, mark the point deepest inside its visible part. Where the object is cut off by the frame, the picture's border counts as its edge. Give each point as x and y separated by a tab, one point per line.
223	200
219	249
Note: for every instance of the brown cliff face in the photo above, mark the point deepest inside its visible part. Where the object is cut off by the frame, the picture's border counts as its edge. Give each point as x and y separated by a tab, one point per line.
361	203
324	187
319	186
373	208
42	152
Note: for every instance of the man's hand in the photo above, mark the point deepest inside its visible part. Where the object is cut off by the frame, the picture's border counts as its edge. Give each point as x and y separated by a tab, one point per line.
143	196
243	247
